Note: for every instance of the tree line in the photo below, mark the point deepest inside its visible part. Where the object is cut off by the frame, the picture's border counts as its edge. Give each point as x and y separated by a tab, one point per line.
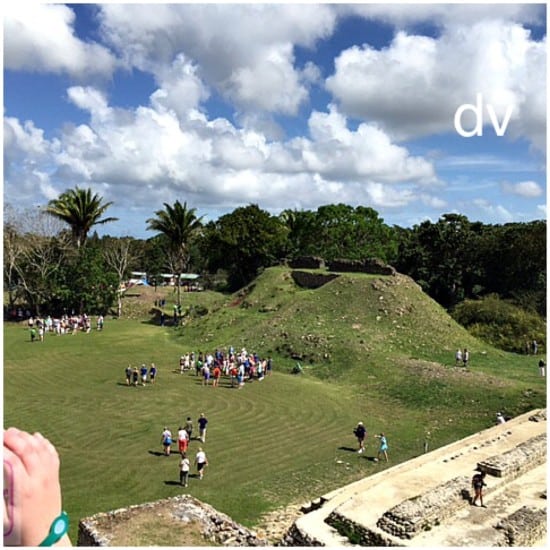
53	264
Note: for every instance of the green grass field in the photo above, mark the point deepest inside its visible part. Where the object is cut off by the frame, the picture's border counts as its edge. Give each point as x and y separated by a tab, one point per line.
284	440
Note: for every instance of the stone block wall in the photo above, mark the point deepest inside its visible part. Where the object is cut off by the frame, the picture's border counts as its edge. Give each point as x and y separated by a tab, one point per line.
425	511
307	262
518	460
525	527
370	265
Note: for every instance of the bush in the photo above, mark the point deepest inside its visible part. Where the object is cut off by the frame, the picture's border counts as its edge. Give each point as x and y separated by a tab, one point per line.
501	323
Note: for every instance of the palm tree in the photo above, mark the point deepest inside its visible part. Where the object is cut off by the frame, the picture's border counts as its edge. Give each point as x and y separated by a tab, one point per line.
81	210
178	224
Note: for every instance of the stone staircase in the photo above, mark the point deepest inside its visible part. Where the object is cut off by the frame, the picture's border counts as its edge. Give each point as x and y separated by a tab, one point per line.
425	501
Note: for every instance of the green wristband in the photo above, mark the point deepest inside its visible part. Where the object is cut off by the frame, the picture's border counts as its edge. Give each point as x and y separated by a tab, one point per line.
59	526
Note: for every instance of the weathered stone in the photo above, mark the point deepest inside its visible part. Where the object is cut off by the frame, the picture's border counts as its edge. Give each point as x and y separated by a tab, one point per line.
307	262
306	279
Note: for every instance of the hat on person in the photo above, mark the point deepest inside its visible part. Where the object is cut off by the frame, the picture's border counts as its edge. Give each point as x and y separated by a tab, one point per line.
359	423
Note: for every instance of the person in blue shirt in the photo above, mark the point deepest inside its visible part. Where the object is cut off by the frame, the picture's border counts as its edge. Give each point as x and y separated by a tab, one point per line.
383	447
360	433
143	372
152	373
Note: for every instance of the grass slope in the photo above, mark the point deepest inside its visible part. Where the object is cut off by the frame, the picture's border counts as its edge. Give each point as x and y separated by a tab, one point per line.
374	348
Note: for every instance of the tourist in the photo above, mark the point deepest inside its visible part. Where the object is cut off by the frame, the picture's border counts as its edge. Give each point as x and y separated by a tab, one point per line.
182	364
465	357
33	334
458	357
383	447
153	373
183	440
100	321
135	376
205	374
33	513
166	440
202	422
143	372
269	366
478	482
535	347
201	461
500	418
184	469
542	367
128	372
189	427
360	433
216	374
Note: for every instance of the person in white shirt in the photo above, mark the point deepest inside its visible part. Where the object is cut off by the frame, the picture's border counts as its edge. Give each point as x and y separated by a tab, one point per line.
166	440
184	469
500	418
201	461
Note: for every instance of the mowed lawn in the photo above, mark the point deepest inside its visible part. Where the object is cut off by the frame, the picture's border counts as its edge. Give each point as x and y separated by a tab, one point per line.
271	443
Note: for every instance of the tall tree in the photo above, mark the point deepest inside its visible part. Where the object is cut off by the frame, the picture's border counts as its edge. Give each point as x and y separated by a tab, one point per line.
179	224
244	241
81	210
118	255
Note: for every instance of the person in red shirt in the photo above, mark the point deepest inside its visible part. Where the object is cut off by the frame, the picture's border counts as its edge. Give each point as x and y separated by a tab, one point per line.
216	374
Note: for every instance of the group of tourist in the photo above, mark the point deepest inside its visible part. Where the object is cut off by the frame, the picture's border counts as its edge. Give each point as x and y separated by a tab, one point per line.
143	374
239	367
360	433
462	357
40	326
185	433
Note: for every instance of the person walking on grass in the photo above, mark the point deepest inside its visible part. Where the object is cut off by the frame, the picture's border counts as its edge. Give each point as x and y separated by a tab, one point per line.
202	422
189	427
383	447
153	373
183	440
184	469
143	373
166	440
478	482
128	373
201	462
360	433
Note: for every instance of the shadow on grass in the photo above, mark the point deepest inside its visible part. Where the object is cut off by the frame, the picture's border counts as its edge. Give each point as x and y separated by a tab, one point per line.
157	453
349	449
170	482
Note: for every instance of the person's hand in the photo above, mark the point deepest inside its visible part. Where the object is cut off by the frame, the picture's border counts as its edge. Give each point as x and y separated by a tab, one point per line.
32	493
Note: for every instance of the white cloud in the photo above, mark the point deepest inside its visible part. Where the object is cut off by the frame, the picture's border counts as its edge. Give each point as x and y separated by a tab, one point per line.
407	14
156	153
244	51
41	38
527	189
497	212
414	86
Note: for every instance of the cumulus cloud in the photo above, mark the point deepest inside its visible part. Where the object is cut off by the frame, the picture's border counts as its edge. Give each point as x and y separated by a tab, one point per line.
527	189
42	39
245	52
151	150
414	86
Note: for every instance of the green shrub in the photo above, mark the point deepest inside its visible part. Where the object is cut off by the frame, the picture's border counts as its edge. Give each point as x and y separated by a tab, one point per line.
501	323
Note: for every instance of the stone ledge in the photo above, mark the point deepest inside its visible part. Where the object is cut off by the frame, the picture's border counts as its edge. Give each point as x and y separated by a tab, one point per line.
428	510
216	527
514	462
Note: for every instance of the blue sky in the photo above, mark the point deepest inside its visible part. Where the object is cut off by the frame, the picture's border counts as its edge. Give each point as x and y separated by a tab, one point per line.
286	106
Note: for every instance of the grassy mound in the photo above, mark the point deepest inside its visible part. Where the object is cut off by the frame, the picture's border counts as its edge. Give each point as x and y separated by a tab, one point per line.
373	348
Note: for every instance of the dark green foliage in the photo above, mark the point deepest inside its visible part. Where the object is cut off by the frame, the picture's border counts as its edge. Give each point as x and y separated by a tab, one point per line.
242	242
339	231
501	323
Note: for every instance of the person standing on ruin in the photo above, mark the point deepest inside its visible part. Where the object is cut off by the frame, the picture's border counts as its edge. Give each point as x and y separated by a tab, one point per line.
478	482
